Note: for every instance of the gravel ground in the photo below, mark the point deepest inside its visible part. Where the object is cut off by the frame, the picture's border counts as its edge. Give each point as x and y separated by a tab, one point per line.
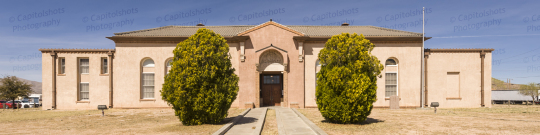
500	119
270	124
116	121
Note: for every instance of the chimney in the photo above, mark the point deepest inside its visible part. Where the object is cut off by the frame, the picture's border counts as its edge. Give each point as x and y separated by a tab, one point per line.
200	24
345	24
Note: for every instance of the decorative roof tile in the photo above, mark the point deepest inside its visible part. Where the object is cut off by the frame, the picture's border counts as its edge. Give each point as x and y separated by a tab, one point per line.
306	30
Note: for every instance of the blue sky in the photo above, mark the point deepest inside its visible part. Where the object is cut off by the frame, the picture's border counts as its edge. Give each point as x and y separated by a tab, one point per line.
512	28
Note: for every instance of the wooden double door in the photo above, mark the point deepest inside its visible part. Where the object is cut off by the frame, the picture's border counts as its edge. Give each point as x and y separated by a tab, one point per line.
271	89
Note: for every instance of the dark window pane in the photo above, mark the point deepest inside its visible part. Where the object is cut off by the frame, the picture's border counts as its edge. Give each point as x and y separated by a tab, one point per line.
391	62
271	79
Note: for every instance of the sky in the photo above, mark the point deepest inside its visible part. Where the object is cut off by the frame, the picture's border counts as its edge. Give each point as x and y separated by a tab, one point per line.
512	28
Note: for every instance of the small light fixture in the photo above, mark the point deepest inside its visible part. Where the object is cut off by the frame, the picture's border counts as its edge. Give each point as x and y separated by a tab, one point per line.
435	105
102	107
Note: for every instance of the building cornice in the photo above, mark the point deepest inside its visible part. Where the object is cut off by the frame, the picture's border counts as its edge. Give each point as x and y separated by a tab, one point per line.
459	50
175	40
57	50
315	39
386	42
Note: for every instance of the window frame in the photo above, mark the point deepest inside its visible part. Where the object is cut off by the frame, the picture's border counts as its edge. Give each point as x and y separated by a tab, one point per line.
272	78
143	86
168	66
104	65
319	66
397	83
144	60
79	63
62	65
79	92
395	60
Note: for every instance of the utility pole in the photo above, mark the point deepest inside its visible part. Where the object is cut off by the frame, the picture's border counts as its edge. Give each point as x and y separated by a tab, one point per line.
508	81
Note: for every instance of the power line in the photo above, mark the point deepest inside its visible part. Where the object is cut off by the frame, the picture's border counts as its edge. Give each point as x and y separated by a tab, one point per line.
488	36
522	77
527	76
515	59
520	54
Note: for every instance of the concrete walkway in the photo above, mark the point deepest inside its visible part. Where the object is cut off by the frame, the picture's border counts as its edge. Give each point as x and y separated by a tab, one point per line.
290	124
250	124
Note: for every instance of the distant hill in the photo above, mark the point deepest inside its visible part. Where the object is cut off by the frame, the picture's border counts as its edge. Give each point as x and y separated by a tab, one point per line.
36	86
497	84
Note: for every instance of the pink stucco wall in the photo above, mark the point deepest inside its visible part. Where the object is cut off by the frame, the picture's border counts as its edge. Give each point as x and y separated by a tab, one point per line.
468	65
67	84
280	38
408	56
300	75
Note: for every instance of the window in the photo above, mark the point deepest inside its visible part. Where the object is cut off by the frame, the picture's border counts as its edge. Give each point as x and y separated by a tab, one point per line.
62	64
84	65
317	69
104	66
271	79
148	86
391	78
169	62
391	62
84	93
147	79
391	84
148	63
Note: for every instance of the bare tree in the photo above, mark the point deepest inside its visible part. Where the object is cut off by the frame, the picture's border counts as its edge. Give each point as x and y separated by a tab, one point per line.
530	89
13	88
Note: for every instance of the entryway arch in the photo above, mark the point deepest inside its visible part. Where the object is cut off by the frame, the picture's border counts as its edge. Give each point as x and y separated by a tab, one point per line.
272	77
271	60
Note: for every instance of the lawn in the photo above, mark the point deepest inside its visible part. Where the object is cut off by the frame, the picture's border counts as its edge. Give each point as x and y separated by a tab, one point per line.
270	123
116	121
500	119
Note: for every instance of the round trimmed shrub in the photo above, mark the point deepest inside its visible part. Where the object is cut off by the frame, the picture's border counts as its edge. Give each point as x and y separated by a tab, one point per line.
201	84
347	81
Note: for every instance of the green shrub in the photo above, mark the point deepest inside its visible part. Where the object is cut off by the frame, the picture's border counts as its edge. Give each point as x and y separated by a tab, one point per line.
347	81
201	84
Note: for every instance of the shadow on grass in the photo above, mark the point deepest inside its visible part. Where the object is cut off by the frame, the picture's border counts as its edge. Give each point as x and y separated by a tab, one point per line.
367	122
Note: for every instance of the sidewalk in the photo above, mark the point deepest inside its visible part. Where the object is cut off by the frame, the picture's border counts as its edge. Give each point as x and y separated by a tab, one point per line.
290	124
250	124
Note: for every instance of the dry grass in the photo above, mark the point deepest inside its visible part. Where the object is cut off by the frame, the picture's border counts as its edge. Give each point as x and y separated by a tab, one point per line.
270	124
500	119
116	121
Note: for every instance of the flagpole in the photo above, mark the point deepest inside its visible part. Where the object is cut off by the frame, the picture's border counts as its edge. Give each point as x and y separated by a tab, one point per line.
423	78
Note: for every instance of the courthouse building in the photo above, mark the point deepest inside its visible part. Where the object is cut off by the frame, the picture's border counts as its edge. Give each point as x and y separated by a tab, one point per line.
276	64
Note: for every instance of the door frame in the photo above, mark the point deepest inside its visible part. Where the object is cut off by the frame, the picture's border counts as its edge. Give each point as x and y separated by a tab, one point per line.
281	84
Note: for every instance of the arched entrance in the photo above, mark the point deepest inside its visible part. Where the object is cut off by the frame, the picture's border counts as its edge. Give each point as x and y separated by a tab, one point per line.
271	78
